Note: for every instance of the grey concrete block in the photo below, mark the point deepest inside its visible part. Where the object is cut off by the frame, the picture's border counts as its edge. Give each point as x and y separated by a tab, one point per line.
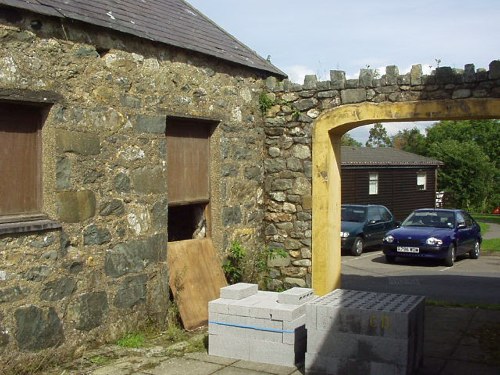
319	364
296	296
229	347
238	291
377	368
363	332
288	312
296	335
277	354
220	305
335	345
311	316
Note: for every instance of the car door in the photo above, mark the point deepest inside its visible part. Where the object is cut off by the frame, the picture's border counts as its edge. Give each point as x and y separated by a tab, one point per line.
465	233
387	219
374	228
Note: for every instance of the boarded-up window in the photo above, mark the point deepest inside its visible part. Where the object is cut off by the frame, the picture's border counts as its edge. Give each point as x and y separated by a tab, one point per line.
188	161
20	164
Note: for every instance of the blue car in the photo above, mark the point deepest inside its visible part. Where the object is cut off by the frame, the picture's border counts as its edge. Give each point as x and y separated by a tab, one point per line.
363	226
434	234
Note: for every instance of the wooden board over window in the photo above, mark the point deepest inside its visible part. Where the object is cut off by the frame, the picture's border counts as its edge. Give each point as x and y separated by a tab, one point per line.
188	161
195	277
20	164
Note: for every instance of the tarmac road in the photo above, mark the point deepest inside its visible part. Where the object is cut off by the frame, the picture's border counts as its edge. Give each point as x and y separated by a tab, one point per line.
468	281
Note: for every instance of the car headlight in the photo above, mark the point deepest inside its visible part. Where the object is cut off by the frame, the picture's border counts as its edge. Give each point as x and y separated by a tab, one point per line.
389	239
433	241
344	234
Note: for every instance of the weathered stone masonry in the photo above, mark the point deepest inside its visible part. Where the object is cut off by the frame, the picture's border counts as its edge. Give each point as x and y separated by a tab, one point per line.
108	98
289	124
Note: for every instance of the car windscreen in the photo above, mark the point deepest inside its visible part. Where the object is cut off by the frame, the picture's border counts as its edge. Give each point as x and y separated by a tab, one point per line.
434	219
355	214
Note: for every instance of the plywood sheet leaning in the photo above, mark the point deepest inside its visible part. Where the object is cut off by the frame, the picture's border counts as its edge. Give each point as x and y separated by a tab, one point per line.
195	277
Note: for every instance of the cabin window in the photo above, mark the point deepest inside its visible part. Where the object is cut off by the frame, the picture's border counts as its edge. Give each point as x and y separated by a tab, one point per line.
373	184
20	162
421	181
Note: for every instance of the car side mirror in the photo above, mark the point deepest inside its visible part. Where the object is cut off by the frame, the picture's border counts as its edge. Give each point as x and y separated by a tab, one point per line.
372	221
461	226
397	224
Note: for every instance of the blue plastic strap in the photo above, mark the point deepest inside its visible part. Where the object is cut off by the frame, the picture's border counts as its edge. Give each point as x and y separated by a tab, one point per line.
252	327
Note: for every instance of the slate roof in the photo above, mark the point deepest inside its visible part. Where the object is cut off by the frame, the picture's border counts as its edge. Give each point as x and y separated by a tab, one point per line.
383	157
173	22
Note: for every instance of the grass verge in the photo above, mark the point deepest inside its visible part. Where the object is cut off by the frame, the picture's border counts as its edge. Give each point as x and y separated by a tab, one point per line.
487	218
491	245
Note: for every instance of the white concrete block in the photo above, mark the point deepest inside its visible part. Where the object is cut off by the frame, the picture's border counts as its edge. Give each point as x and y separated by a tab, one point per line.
230	347
295	296
288	312
238	291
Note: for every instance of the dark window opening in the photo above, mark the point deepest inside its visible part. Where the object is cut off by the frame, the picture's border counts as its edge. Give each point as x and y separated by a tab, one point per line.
187	222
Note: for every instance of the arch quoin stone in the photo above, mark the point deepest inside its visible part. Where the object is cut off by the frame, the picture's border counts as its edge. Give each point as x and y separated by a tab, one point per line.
327	132
315	115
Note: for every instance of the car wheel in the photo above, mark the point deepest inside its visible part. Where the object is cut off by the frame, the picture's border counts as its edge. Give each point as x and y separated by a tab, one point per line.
390	259
474	253
450	257
357	246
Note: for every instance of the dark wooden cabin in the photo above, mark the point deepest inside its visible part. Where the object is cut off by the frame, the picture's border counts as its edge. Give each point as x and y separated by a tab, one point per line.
397	179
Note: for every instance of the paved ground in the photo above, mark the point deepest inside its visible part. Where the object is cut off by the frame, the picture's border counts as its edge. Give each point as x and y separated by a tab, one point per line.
493	231
468	281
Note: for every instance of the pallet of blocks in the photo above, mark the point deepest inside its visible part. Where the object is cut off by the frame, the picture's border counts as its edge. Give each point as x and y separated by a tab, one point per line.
258	326
364	333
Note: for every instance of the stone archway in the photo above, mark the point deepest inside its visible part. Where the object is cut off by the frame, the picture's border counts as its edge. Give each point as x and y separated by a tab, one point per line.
303	130
327	132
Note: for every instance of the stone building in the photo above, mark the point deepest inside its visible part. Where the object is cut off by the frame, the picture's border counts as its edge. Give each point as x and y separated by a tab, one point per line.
121	126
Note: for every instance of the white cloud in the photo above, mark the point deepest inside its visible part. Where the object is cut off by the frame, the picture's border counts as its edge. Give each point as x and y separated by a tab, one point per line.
296	73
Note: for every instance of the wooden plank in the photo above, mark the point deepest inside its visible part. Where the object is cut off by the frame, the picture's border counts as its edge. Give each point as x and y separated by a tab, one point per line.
195	277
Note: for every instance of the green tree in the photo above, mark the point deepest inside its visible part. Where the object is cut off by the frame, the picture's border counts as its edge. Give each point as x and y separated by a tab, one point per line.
348	140
485	133
378	137
410	140
468	175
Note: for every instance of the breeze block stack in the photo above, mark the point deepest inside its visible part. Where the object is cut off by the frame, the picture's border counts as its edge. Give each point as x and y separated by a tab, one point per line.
364	333
267	327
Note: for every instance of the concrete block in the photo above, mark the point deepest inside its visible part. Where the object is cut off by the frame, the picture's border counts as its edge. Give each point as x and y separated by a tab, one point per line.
338	345
296	334
238	291
296	296
359	332
230	347
288	312
300	321
277	354
220	305
388	315
316	364
377	368
311	316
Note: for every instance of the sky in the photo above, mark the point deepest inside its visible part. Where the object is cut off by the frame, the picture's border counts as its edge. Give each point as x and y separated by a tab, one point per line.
316	36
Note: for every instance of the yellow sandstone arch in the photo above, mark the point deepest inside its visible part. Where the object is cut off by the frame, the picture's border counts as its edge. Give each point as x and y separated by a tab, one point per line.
327	132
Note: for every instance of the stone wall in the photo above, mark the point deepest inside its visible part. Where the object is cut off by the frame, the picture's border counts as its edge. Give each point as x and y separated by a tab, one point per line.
103	272
290	119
